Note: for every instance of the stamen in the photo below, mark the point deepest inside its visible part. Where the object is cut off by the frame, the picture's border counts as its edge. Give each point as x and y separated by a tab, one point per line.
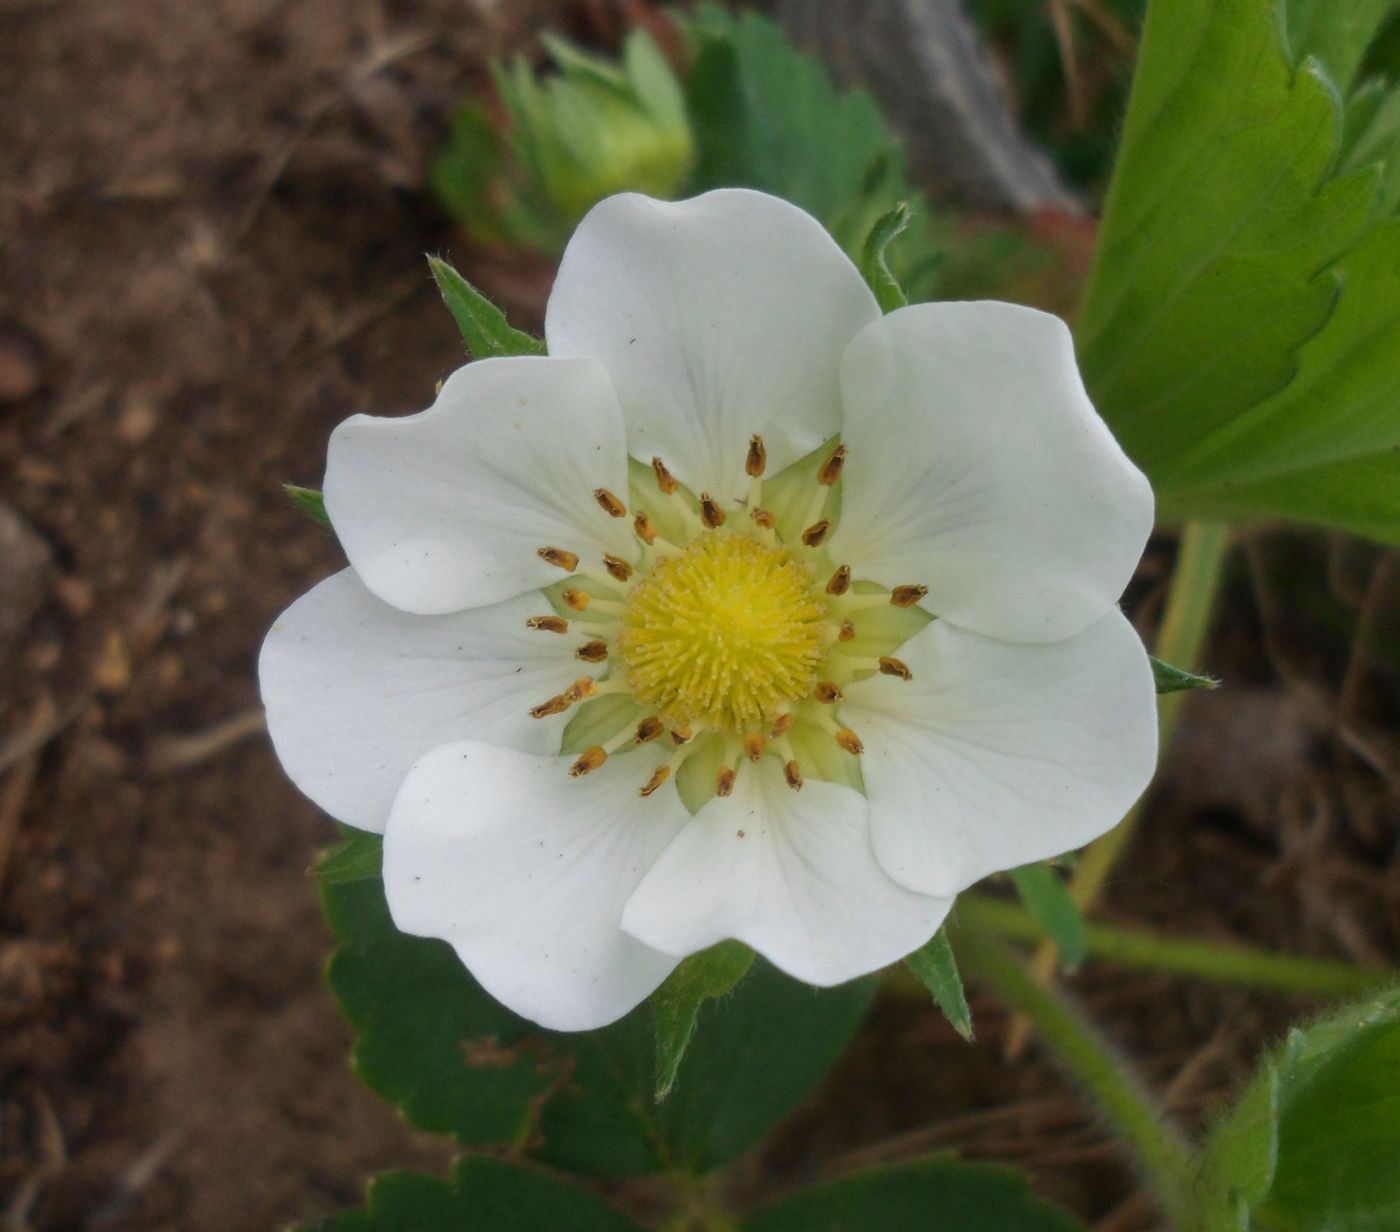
895	667
847	631
840	581
764	518
609	503
583	688
724	780
832	467
755	745
617	567
783	724
567	561
710	512
907	596
827	693
666	481
757	460
660	776
682	735
577	599
812	537
849	741
793	773
648	729
645	528
592	652
549	624
589	762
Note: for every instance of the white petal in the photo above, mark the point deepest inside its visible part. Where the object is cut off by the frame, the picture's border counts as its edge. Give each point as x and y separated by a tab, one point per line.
447	509
356	691
525	871
979	468
790	873
717	318
997	754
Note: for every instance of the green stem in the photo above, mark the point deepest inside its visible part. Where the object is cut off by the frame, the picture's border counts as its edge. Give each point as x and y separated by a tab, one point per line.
1163	1152
1226	962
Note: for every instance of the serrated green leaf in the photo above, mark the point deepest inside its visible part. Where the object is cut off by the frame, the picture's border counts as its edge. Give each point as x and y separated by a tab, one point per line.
1213	268
676	1004
1171	679
937	969
888	227
1334	32
1048	899
484	327
932	1194
456	1062
482	1195
356	857
310	502
1314	1140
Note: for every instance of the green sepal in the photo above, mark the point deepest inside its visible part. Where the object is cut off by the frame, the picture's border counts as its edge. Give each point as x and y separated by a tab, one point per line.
357	857
310	502
873	263
1048	899
484	327
675	1006
1171	679
937	969
482	1195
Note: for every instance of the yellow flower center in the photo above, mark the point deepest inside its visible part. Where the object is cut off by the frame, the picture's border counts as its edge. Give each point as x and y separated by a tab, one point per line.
724	635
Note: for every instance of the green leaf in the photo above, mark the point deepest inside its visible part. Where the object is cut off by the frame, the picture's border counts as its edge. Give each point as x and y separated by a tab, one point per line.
1215	266
310	502
888	227
1314	1140
1334	32
1048	899
455	1061
1171	679
483	1195
937	970
484	327
933	1194
357	857
676	1004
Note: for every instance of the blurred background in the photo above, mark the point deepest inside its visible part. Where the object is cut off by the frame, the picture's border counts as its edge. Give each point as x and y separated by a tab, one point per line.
213	220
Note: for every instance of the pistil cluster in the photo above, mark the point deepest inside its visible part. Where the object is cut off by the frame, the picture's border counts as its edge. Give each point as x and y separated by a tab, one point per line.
730	639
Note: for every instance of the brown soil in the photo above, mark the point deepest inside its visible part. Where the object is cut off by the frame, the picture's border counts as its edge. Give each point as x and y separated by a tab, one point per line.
212	221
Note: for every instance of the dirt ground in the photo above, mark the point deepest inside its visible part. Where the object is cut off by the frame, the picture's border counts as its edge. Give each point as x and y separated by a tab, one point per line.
212	222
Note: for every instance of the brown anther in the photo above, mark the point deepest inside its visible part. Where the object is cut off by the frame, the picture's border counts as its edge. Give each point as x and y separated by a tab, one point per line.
662	774
793	773
592	652
609	503
907	596
849	741
831	468
895	667
840	581
557	704
757	461
763	518
664	479
649	728
710	512
724	780
582	689
550	624
755	745
827	693
646	530
681	735
567	561
617	567
783	724
846	631
815	533
577	599
589	762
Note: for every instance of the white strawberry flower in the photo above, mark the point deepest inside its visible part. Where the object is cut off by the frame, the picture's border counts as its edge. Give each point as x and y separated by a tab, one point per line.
747	613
